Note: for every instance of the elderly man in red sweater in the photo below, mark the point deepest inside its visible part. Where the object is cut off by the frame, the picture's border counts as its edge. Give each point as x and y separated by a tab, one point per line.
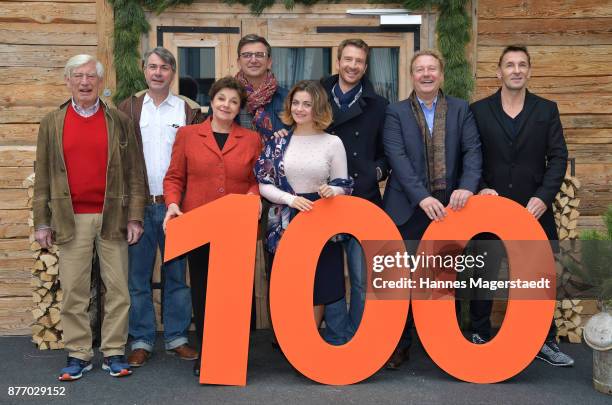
89	191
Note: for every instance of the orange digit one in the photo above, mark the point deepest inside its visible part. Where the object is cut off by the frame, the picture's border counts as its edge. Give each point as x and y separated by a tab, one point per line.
528	317
291	295
229	224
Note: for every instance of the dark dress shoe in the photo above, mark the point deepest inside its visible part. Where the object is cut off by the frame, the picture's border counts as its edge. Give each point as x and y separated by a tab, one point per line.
196	368
397	358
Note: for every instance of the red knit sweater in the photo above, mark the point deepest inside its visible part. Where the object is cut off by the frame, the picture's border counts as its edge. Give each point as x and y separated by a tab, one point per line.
86	155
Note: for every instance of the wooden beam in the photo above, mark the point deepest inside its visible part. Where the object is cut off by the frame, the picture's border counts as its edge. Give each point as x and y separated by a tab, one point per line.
15	315
472	48
36	95
552	85
40	55
18	134
565	61
570	104
13	199
17	156
586	120
104	29
21	115
544	9
13	177
15	216
48	34
47	12
11	246
545	31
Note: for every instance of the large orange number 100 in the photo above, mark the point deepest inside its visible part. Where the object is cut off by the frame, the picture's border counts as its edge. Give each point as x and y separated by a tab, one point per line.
230	225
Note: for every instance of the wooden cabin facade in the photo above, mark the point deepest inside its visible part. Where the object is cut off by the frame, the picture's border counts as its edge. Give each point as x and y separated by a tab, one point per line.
570	43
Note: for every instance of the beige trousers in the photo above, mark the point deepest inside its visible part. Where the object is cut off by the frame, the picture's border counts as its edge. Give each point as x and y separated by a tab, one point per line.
75	276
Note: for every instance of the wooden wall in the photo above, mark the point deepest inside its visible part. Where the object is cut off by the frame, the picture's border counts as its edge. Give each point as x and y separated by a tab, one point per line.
570	42
36	40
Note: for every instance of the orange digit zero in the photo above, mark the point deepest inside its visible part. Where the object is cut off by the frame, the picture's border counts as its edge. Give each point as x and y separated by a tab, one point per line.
291	295
527	310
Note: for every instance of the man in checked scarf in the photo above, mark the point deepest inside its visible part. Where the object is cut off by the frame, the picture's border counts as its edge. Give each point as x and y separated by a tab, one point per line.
265	96
265	99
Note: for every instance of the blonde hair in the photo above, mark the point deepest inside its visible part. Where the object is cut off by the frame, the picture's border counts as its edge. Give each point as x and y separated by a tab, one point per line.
321	110
427	52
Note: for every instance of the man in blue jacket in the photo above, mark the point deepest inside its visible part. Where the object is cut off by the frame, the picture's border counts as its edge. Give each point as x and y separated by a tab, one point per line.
433	148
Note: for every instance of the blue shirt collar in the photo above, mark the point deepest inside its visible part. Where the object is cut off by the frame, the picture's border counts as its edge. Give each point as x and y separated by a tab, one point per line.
423	105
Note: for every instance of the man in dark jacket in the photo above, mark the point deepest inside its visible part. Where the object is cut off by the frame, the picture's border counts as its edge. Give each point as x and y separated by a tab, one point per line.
433	148
358	114
157	114
524	159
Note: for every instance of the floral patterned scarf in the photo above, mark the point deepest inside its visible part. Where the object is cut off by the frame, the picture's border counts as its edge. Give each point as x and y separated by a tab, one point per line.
270	169
258	99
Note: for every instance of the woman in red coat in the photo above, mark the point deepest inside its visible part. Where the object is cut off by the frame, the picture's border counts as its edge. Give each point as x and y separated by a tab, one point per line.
210	160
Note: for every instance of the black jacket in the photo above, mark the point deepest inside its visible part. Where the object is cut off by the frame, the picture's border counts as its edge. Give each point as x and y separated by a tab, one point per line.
360	129
533	164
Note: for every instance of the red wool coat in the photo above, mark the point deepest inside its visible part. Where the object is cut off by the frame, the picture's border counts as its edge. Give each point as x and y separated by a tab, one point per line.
200	173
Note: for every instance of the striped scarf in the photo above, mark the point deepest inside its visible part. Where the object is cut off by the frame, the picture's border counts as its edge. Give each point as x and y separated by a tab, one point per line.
435	152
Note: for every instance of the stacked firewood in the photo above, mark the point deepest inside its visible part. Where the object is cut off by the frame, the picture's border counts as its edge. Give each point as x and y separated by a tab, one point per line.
568	320
570	317
566	208
570	314
567	312
46	294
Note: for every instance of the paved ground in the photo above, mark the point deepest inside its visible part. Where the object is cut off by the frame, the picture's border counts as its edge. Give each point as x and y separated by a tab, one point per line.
167	380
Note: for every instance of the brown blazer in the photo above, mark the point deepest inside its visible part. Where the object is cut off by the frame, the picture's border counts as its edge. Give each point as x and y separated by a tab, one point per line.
124	198
200	173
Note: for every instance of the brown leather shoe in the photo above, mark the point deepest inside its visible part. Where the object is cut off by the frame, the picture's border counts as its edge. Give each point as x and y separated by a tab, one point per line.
184	352
138	357
397	358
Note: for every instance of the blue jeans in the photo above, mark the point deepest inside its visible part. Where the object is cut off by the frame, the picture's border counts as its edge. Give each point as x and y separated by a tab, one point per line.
340	323
176	294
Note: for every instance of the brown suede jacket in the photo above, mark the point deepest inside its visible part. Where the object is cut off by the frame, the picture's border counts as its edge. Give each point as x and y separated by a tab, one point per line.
124	198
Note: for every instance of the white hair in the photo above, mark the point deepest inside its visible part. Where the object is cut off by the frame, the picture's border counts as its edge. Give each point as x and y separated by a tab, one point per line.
80	60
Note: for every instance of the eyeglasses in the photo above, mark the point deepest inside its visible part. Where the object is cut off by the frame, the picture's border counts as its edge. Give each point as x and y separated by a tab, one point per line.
163	68
257	55
80	76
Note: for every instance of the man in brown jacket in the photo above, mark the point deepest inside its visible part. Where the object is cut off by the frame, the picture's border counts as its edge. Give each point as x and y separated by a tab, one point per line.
89	191
157	114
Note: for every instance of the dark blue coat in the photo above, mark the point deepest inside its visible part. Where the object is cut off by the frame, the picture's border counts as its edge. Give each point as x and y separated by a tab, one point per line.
360	128
403	142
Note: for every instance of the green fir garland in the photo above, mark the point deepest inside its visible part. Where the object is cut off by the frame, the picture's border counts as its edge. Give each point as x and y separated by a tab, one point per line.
453	29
